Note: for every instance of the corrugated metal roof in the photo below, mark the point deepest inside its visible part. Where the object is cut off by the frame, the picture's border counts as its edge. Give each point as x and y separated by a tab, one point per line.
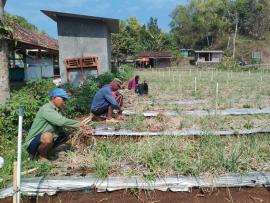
33	38
113	24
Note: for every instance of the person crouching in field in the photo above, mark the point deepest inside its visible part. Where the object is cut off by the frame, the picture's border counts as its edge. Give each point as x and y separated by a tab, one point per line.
134	82
47	131
142	89
106	100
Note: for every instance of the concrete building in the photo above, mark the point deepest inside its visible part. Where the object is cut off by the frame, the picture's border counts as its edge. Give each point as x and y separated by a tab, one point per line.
208	57
83	36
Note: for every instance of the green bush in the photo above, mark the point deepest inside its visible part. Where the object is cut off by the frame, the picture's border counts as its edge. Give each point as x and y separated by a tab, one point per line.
81	98
125	72
31	97
105	78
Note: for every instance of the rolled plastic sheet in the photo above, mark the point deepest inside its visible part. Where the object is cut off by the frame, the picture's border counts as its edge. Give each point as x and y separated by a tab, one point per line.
182	102
210	112
100	131
51	185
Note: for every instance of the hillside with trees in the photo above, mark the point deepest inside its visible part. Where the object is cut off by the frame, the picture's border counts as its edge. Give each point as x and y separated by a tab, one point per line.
238	27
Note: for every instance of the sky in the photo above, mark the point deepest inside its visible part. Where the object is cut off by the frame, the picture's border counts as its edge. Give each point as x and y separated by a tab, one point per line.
119	9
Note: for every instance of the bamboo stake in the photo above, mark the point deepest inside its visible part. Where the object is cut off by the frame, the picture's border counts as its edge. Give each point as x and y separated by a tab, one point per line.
86	120
216	97
15	189
195	84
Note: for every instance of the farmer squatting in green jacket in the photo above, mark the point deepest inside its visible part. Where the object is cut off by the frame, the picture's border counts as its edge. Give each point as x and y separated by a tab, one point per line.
47	131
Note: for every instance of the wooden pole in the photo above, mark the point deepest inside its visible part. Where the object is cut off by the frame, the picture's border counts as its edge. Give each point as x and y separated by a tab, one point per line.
216	97
195	84
15	189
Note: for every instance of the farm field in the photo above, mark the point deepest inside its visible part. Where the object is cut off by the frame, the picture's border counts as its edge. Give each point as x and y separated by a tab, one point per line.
153	157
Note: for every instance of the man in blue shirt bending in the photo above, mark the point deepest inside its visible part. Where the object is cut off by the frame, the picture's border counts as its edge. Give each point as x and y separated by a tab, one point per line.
106	100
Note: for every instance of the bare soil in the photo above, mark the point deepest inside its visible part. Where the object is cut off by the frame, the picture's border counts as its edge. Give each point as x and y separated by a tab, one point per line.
203	195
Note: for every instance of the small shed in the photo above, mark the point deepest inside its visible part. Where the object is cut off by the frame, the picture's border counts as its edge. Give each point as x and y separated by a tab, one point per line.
154	59
83	36
34	57
209	56
187	53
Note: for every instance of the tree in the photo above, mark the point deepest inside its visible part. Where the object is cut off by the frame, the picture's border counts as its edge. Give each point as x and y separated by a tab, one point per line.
198	24
253	17
134	38
126	42
4	72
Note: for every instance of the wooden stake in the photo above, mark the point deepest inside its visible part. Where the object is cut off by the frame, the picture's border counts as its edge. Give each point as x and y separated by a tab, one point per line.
87	120
216	97
195	84
15	189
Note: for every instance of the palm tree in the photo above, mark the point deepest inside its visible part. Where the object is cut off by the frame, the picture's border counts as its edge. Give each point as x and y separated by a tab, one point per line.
4	74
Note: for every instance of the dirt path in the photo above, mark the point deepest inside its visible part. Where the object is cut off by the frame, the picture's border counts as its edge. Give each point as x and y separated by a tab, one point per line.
223	195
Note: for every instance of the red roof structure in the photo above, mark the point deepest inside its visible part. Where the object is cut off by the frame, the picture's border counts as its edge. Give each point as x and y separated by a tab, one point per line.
30	39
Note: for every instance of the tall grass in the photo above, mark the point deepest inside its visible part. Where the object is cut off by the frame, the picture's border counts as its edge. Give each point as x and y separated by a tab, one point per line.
154	157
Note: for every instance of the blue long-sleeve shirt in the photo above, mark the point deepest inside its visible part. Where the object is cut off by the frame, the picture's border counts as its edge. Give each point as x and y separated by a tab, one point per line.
104	98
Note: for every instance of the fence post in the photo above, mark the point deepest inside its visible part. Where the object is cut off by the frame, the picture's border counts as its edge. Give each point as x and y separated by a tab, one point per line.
195	84
217	97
